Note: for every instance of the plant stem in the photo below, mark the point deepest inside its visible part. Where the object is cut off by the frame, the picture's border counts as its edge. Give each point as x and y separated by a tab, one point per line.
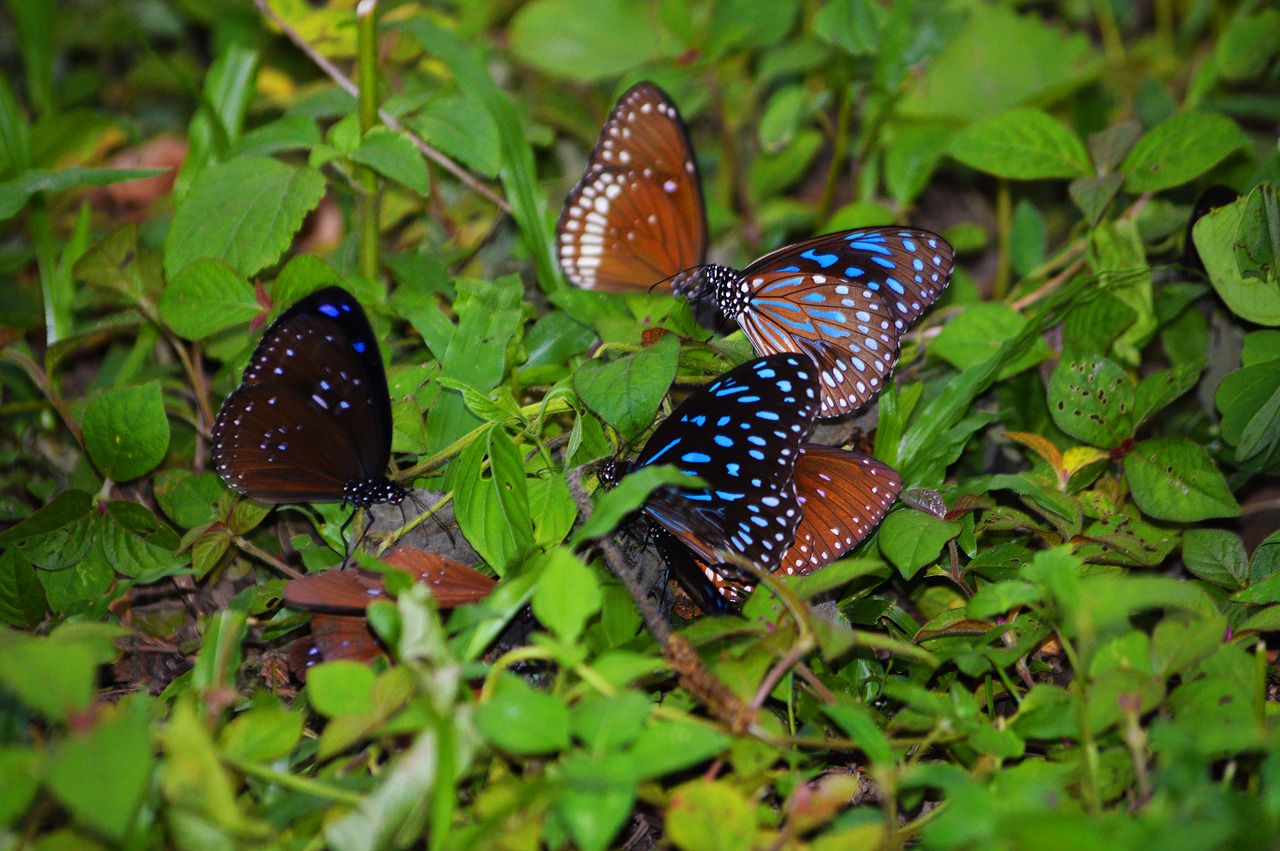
367	69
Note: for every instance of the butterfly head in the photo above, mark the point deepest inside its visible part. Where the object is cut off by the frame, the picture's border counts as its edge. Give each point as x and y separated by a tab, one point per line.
701	282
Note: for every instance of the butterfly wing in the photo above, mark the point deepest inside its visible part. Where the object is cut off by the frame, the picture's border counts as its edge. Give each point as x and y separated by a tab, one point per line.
351	591
311	420
842	496
741	434
636	218
847	330
908	268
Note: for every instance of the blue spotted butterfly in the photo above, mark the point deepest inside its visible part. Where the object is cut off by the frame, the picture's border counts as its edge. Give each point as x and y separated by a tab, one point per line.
844	299
741	435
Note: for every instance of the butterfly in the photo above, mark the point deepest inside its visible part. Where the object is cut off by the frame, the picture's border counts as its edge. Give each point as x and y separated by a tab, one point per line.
741	434
842	495
844	299
339	629
311	419
636	218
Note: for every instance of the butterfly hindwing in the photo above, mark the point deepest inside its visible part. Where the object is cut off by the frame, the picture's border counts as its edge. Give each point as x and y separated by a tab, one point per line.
843	495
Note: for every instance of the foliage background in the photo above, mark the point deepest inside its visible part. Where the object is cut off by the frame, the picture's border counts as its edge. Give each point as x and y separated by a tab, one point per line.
1058	637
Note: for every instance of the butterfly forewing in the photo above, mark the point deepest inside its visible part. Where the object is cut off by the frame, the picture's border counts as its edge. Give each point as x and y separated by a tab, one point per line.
636	218
311	420
842	496
844	299
847	330
741	434
908	268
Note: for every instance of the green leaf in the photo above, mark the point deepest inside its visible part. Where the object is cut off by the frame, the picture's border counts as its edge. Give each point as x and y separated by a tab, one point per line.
625	499
54	676
979	332
340	688
913	539
997	61
393	156
782	115
567	595
192	776
20	769
126	431
22	601
262	733
709	814
1092	399
912	158
58	534
1024	144
519	175
604	724
1249	45
493	510
103	775
15	193
245	212
522	721
1160	389
1180	150
665	747
865	731
1249	400
586	40
626	393
1251	294
851	25
207	296
459	126
596	797
1175	479
1093	195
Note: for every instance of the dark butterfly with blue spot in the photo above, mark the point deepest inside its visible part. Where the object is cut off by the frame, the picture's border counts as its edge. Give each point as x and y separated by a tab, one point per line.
741	434
311	419
843	496
844	299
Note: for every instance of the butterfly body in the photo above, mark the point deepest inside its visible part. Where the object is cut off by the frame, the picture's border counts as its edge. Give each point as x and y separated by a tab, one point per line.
311	419
741	435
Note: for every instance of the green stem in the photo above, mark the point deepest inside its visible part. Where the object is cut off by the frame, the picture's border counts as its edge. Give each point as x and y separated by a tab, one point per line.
295	783
1004	224
367	62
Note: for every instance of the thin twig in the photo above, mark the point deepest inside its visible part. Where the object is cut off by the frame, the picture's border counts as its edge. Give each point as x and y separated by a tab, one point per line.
388	119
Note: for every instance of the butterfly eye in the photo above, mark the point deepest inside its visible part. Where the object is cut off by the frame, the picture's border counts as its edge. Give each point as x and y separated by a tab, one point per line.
311	419
636	218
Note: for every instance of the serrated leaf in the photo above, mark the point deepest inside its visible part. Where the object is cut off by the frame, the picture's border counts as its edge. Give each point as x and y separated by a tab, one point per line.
393	156
1091	399
245	212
